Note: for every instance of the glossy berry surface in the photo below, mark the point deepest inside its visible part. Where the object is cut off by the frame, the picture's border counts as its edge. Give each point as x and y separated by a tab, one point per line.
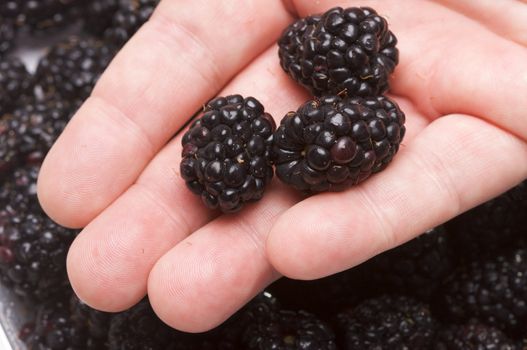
71	68
343	50
226	153
332	143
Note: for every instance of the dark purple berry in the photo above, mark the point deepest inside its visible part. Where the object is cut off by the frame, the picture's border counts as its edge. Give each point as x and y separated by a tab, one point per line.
226	153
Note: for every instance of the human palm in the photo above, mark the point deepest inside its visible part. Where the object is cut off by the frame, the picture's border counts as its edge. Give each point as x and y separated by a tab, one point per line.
462	82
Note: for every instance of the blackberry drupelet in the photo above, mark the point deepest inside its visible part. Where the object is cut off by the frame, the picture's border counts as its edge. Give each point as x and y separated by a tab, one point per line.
491	226
493	291
387	322
15	82
130	16
71	68
332	143
473	336
289	330
7	35
99	15
343	50
31	129
414	268
40	15
226	153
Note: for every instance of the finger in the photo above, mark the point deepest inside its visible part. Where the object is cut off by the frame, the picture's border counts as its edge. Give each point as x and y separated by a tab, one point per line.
191	287
506	17
454	164
178	60
109	262
208	276
449	64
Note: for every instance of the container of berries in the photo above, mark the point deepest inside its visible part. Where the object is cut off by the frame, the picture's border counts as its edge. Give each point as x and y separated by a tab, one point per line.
459	285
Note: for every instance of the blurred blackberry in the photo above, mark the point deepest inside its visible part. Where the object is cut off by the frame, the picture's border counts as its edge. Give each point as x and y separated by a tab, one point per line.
7	36
40	15
130	16
71	68
343	50
99	15
32	247
473	336
226	153
387	322
55	328
332	143
289	330
493	291
15	82
20	188
324	297
31	129
94	323
414	268
491	226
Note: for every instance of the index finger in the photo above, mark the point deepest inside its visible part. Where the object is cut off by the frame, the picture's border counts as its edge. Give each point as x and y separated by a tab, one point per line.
177	60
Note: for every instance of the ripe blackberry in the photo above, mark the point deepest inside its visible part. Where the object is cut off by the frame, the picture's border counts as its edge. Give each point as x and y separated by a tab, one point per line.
93	323
99	15
493	291
129	17
348	50
491	226
226	153
289	330
387	322
40	15
31	129
324	297
55	327
473	336
32	247
71	68
414	268
15	82
7	35
332	143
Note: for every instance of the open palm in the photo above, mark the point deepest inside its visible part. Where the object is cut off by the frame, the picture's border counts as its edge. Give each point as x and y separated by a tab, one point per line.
462	82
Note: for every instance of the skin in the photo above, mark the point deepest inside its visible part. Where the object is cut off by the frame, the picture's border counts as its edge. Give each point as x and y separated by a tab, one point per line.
461	81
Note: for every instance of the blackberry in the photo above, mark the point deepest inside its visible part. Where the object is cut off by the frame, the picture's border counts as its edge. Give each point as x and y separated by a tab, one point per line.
491	226
332	143
323	297
71	68
15	82
129	17
7	36
226	153
387	322
32	247
94	323
55	328
473	336
343	50
31	129
414	268
40	15
493	291
98	16
289	330
140	329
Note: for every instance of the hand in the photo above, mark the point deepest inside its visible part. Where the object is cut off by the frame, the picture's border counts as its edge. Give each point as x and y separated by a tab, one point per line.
461	81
